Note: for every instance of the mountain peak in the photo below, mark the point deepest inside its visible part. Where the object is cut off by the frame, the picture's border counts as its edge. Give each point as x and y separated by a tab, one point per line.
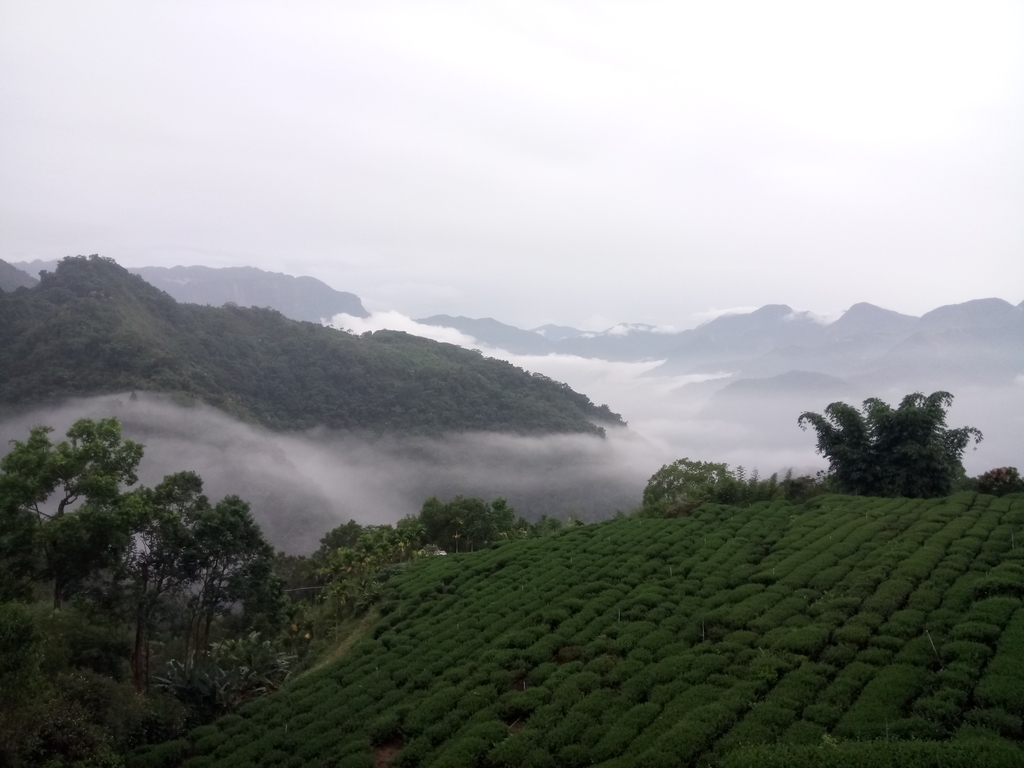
978	314
869	318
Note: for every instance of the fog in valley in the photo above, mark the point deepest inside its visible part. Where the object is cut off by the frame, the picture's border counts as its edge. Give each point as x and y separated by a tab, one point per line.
302	484
566	167
722	416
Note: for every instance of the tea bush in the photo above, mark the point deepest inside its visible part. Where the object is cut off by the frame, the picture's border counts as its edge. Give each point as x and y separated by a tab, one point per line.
844	631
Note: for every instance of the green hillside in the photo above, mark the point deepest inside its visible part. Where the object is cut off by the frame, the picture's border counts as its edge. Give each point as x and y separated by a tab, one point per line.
845	631
93	328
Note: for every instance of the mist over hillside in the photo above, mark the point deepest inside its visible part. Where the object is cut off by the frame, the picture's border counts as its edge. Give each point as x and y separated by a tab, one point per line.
732	389
301	484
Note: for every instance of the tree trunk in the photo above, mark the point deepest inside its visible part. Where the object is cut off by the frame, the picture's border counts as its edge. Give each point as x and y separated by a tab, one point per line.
138	662
141	625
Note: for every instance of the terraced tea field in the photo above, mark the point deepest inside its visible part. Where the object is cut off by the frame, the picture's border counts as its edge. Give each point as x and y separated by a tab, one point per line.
847	631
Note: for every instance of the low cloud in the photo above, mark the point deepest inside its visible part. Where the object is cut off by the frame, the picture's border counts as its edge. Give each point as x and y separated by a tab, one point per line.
710	314
396	321
303	484
624	329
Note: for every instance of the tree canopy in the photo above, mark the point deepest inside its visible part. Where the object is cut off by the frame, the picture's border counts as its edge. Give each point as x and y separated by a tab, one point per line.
679	488
67	518
884	451
45	533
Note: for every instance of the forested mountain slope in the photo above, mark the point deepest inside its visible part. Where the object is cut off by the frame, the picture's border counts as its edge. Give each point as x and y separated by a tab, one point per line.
91	328
846	631
300	298
12	278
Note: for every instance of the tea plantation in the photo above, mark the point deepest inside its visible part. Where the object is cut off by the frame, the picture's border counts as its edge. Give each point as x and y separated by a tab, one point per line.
843	632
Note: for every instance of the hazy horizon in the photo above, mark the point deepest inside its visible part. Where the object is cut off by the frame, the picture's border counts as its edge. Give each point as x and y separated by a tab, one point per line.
537	163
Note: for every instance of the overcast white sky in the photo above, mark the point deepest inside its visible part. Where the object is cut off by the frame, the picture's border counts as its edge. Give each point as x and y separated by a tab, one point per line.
581	163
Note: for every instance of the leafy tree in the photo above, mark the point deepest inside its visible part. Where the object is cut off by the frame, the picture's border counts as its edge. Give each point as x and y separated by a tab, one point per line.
345	535
804	487
229	562
465	523
40	486
546	526
677	489
1000	481
683	481
884	451
161	557
355	574
156	561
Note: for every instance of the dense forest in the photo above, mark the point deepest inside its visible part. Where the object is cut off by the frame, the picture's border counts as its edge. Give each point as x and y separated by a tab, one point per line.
91	328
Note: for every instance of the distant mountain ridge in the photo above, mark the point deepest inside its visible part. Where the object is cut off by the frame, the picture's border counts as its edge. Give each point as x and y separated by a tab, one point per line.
12	278
494	333
977	342
90	328
300	298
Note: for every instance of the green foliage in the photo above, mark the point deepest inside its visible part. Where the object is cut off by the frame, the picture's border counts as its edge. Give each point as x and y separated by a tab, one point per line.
162	565
465	524
673	641
677	489
62	706
92	328
884	451
231	673
21	648
1000	481
40	485
684	480
976	753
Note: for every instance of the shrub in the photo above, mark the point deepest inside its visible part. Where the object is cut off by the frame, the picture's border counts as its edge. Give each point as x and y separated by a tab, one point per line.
918	652
839	655
973	753
763	724
977	631
799	688
886	642
876	656
974	655
881	702
938	710
696	731
996	719
904	624
889	597
807	641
